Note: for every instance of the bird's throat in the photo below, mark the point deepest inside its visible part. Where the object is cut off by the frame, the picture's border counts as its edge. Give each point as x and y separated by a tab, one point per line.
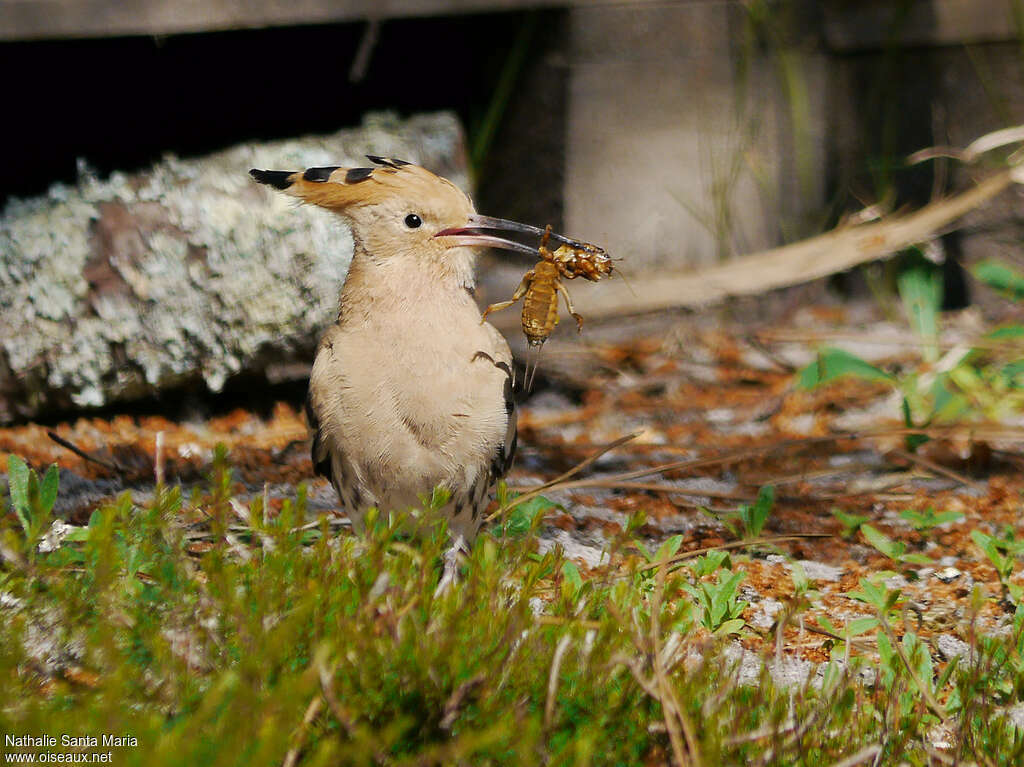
374	285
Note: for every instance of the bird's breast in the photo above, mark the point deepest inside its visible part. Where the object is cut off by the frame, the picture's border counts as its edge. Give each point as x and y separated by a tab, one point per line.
414	390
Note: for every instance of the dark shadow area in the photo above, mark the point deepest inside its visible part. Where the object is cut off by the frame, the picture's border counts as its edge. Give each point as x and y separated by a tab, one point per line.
893	95
120	103
194	402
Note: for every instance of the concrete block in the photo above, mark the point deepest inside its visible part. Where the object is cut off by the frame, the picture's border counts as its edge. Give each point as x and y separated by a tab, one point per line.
677	153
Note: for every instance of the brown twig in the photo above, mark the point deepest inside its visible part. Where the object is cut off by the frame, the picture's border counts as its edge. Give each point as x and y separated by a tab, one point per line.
629	475
940	469
534	492
803	476
735	545
973	431
754	341
823	632
739	455
800	262
765	732
661	487
694	463
327	687
553	620
84	455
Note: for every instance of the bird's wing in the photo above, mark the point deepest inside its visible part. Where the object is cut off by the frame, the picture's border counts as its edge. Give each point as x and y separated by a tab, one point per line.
320	454
505	454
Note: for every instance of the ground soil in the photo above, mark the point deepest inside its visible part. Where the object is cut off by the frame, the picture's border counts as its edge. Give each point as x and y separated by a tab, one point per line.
692	389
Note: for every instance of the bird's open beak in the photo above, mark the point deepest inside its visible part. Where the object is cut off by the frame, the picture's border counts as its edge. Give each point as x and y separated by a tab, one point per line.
472	235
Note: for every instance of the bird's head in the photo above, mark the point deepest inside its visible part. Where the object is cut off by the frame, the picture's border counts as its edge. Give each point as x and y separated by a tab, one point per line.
400	211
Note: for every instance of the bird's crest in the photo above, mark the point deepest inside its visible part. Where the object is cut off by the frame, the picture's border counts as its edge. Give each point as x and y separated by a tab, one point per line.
338	188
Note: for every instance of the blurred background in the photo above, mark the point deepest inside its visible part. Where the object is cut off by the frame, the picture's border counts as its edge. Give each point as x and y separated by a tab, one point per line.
677	134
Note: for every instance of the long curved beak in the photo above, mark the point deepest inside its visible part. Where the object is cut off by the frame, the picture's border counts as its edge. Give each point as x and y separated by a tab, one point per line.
488	222
472	235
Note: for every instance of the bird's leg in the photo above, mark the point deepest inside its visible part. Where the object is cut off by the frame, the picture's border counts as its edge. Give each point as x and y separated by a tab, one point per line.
451	564
568	305
520	291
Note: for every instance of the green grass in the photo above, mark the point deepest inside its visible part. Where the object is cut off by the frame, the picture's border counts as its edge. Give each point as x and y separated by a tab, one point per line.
219	657
984	381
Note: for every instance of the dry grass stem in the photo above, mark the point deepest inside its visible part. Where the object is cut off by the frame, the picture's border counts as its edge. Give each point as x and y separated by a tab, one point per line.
556	665
158	459
312	710
454	705
868	752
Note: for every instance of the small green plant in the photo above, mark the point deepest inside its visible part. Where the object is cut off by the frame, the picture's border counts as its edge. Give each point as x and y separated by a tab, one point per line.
895	550
851	522
903	659
524	516
572	581
832	364
666	550
721	609
710	563
909	659
753	516
984	381
875	594
1002	553
853	628
926	520
31	499
919	283
1002	278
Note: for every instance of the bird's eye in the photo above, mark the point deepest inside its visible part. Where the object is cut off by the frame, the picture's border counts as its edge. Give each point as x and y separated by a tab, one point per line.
413	221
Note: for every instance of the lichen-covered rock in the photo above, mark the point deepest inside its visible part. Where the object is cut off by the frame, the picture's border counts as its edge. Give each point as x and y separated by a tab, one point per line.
113	289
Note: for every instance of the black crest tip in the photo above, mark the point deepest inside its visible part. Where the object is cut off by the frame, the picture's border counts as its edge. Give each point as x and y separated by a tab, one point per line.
355	175
387	162
319	174
279	179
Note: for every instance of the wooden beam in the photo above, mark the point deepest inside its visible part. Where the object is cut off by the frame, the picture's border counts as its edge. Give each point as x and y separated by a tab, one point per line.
57	19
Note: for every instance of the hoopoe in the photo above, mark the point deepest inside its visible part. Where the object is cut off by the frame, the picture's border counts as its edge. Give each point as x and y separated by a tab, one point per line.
410	390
